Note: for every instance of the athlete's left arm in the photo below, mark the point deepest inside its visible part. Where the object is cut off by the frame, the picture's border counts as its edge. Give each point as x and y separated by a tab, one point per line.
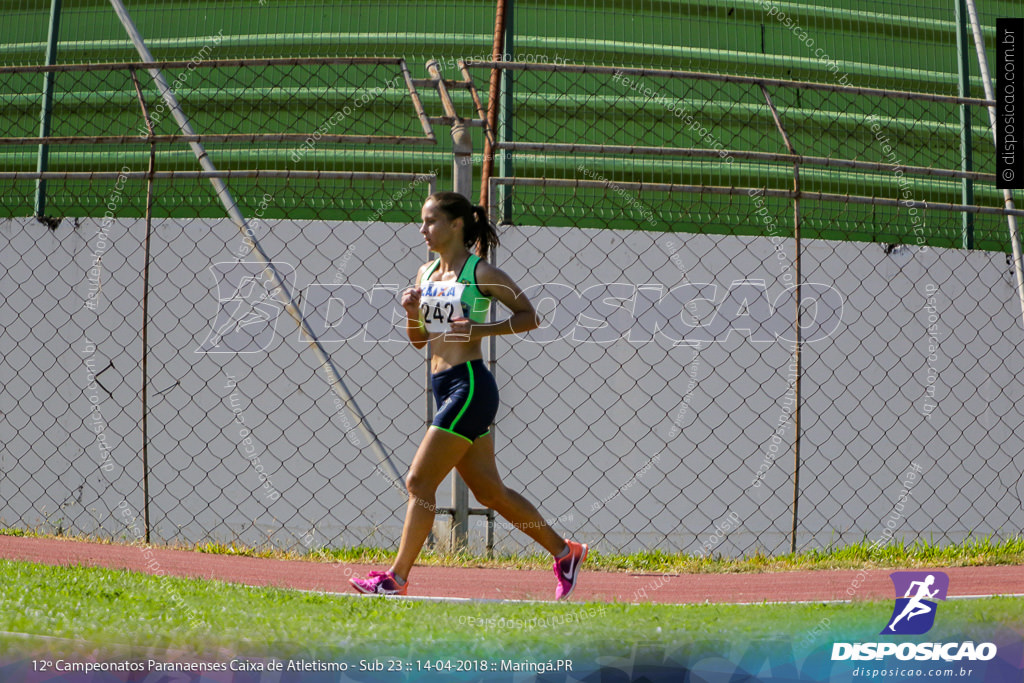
495	283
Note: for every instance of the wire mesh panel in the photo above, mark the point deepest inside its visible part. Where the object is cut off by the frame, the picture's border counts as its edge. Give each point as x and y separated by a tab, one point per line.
246	442
70	396
656	408
174	382
719	133
667	399
628	420
912	417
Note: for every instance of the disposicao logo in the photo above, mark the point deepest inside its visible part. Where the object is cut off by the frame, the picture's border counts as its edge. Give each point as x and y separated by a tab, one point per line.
914	612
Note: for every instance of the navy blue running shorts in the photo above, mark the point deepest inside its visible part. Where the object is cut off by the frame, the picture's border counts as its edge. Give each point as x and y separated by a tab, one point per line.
467	400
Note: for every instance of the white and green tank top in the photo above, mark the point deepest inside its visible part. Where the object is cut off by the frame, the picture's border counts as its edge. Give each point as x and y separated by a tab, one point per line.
442	301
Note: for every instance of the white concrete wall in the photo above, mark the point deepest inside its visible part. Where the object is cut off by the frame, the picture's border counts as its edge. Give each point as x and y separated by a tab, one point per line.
623	437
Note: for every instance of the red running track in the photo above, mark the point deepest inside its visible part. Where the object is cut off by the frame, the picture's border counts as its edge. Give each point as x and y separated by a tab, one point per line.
510	584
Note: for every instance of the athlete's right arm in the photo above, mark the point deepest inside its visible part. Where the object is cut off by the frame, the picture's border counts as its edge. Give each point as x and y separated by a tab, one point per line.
410	300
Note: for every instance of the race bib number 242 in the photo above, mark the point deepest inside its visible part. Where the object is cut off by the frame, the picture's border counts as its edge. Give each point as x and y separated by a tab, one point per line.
440	303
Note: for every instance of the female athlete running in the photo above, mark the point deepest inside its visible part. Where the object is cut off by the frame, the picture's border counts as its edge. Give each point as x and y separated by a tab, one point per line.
447	307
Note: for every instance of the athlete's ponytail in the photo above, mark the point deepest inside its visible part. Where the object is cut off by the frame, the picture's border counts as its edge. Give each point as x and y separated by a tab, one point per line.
478	233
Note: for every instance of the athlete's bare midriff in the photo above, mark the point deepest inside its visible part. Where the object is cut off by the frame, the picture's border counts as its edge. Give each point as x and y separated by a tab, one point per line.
448	354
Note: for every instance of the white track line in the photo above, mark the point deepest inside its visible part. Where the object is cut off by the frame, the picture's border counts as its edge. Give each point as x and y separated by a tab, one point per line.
991	595
442	599
39	636
426	598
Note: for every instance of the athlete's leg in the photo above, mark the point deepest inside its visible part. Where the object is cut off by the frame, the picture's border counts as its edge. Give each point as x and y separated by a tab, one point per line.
918	610
906	609
437	455
910	611
480	473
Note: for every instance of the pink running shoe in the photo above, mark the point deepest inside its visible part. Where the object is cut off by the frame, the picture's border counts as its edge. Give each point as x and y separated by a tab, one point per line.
380	583
567	569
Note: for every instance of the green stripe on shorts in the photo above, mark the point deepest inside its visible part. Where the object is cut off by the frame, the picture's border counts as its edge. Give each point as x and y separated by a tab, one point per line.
469	398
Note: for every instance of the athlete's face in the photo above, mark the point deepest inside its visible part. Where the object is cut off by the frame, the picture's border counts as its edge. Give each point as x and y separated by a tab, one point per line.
437	229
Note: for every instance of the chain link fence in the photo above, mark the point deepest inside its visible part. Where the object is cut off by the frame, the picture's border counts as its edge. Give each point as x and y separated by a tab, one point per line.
672	353
147	360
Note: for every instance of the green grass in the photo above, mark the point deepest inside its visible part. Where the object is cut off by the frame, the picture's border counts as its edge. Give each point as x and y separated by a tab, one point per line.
106	610
974	552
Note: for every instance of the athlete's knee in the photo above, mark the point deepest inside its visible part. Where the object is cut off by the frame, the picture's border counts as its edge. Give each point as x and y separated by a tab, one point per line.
420	488
493	497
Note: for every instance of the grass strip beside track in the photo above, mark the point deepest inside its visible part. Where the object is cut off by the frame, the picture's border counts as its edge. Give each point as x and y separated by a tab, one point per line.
981	551
107	610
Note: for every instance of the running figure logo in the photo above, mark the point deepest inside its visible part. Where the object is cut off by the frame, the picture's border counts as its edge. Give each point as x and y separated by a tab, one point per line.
249	306
914	613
